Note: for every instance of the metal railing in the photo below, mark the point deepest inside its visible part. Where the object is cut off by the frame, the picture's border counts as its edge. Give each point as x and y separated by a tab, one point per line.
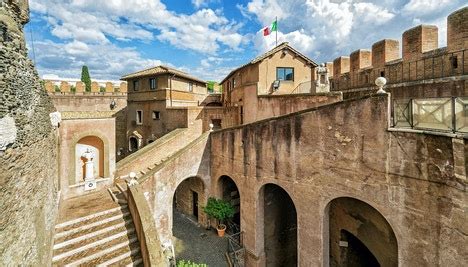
236	249
304	88
449	114
431	67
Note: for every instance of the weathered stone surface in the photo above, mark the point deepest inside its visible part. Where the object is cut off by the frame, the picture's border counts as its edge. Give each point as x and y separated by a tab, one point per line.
28	169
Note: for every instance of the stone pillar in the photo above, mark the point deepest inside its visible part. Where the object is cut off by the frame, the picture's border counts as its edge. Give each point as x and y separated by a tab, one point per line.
123	87
64	87
49	87
360	59
418	40
109	87
80	88
340	66
94	87
322	84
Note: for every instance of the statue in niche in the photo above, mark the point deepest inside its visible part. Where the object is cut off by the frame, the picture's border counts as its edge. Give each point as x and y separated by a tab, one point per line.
89	164
322	84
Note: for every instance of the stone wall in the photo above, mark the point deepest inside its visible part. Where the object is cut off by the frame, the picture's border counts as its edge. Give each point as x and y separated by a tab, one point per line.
345	150
28	149
421	60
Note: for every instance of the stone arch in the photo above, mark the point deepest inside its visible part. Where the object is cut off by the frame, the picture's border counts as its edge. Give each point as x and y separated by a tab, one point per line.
135	141
279	226
94	145
72	154
188	197
353	228
229	191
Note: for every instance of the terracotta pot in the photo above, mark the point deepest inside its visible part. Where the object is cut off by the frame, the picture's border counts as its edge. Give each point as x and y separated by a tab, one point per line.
221	229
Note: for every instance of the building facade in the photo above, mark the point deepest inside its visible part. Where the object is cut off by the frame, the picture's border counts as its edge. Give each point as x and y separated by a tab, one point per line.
157	99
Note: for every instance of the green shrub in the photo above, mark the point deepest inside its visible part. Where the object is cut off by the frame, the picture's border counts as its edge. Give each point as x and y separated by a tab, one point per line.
183	263
85	78
219	209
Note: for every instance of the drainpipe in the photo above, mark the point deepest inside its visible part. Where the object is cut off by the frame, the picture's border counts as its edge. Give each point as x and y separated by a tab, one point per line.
170	88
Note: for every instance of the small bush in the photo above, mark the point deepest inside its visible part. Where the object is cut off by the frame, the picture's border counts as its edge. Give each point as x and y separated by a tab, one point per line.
183	263
219	209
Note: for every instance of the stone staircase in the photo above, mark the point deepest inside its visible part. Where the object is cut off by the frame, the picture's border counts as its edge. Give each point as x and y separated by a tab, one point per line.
104	238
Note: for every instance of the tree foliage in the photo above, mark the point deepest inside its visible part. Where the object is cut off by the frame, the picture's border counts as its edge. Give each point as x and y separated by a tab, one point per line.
183	263
85	78
219	209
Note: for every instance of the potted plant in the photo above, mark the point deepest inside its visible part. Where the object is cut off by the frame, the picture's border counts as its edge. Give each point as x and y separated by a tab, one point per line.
220	210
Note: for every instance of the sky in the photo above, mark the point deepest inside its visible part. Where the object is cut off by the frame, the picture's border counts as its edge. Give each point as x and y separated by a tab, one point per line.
209	38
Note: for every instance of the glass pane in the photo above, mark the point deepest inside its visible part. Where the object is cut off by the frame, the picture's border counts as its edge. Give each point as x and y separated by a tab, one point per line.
289	76
280	74
461	114
401	112
432	113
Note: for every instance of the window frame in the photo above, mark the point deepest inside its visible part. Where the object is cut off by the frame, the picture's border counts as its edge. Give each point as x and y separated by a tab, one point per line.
284	73
155	83
156	115
190	87
141	117
136	85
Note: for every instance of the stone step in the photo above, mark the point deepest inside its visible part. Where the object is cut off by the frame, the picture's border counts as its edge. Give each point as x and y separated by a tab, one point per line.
121	258
70	224
92	225
89	235
101	255
64	253
114	252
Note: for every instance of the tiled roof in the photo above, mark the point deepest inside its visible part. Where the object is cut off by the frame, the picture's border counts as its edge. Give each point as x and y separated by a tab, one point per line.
269	53
160	70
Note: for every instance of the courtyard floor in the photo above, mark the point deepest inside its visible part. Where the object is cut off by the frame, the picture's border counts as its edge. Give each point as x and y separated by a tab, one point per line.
195	243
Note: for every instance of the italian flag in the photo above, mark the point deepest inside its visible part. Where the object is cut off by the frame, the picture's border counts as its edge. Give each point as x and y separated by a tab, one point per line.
269	29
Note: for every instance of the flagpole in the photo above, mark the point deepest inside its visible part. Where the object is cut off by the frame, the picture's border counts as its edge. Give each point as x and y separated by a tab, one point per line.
276	20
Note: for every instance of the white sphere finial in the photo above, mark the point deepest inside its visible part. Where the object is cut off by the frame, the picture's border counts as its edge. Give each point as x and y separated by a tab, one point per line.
211	127
132	175
381	82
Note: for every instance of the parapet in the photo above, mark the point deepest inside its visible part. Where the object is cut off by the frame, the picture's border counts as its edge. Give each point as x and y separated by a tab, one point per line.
340	66
79	88
360	59
457	30
384	51
419	40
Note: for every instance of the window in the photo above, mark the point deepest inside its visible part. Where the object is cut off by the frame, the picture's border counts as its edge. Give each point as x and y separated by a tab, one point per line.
233	82
285	74
229	86
190	87
454	61
135	85
153	83
139	117
156	115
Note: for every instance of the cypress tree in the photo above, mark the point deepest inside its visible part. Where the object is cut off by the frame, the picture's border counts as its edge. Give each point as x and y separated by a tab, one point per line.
85	78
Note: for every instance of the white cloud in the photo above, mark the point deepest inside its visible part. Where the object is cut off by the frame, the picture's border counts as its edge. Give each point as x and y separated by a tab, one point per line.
370	13
421	7
298	39
95	21
199	3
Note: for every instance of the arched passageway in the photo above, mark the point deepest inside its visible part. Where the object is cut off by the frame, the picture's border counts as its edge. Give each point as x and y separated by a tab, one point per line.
95	146
359	235
188	197
230	192
280	227
132	144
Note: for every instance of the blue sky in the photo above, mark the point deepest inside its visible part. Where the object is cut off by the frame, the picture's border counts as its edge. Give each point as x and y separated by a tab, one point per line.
208	38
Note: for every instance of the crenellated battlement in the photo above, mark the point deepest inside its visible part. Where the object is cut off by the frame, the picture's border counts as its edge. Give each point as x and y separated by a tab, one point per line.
63	87
421	57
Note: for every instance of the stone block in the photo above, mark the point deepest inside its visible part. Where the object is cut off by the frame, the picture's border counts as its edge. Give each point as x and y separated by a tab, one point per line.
384	51
418	40
64	87
94	87
329	66
123	87
360	59
457	30
80	87
109	87
49	86
340	66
